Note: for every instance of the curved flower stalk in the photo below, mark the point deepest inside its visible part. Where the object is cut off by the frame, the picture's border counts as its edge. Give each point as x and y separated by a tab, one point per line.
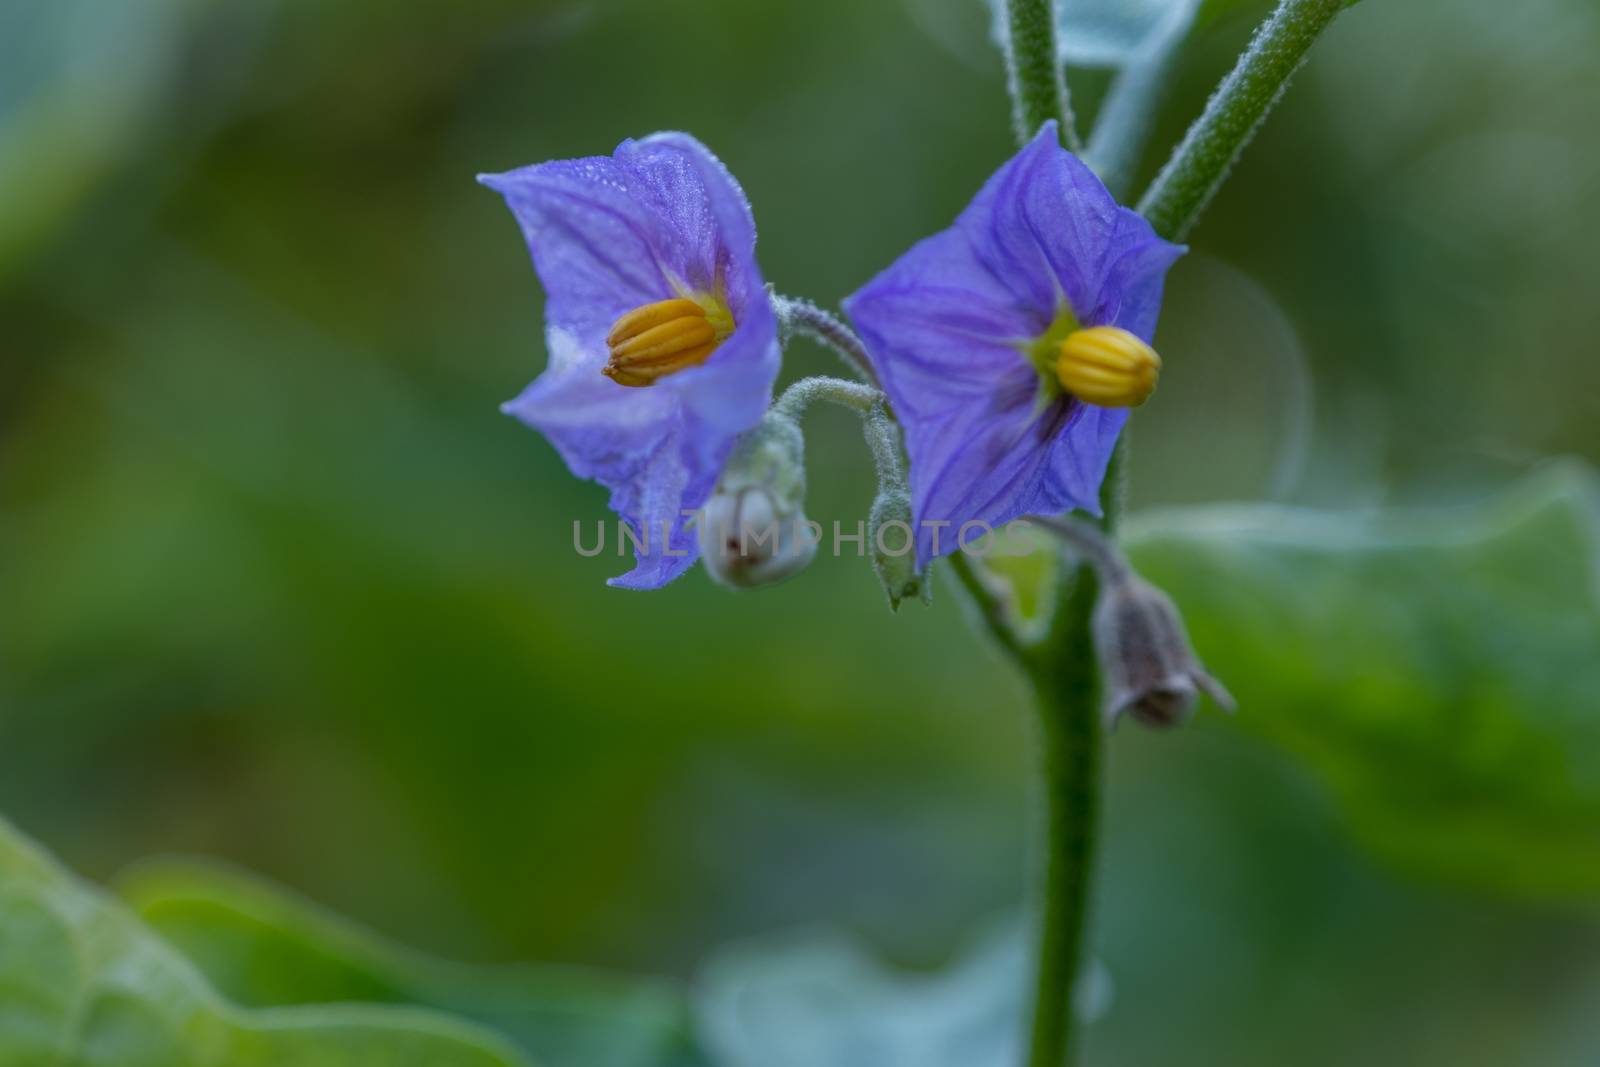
1011	344
663	343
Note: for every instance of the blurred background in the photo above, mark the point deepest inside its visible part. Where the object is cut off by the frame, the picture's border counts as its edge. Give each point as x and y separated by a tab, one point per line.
282	587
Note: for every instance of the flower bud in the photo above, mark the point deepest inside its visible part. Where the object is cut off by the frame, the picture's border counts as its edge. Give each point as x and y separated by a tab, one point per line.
752	531
894	547
747	541
1149	669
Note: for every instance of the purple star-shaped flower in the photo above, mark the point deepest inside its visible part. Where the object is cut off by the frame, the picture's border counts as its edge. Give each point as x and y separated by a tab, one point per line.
962	327
663	343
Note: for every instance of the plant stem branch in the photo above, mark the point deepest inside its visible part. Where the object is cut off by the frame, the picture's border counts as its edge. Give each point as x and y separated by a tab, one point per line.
804	317
879	429
1070	736
862	399
1033	69
883	439
1091	545
1233	114
1065	675
991	606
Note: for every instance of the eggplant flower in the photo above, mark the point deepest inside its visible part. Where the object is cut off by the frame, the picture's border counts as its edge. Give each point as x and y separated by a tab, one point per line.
662	339
1012	344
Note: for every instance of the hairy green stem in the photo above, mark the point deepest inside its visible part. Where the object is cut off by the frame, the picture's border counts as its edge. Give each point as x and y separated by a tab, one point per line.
1233	114
991	605
883	439
1089	542
1066	682
862	399
800	316
1062	672
1065	676
1033	69
879	429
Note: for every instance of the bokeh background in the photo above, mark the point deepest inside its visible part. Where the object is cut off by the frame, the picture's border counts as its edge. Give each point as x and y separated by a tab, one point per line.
281	586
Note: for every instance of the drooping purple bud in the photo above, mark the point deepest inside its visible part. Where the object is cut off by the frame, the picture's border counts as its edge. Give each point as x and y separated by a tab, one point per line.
1148	666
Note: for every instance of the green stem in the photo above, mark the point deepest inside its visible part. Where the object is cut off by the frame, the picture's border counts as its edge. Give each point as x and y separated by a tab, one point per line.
804	317
992	607
1070	734
1066	682
1033	66
862	399
1063	673
1233	114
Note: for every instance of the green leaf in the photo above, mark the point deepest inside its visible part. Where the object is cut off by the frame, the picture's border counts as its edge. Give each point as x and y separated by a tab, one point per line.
1110	33
263	947
807	999
1102	33
84	983
1441	672
1107	33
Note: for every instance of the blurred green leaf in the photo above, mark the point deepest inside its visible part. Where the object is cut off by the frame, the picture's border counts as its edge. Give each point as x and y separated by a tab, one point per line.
804	1000
77	80
262	947
1211	10
82	982
1440	672
1108	33
1105	33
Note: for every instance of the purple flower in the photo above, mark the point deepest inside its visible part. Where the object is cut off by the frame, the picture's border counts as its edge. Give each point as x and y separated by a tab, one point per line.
993	337
663	343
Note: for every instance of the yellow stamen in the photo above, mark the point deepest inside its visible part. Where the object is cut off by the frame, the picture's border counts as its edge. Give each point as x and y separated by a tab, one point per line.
653	341
641	319
1108	366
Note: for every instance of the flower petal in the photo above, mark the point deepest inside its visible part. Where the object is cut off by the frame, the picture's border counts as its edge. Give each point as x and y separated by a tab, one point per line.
730	392
604	431
653	504
596	245
1042	225
1079	458
1135	274
990	466
702	205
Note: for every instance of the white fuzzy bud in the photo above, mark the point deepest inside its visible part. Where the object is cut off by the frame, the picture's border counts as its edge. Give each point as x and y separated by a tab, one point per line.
748	540
752	531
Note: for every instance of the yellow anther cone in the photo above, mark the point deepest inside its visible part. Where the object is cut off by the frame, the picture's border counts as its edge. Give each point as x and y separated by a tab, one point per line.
1108	366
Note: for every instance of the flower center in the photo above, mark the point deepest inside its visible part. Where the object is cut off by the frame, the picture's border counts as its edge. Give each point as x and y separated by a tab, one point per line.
1108	366
1102	365
653	341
